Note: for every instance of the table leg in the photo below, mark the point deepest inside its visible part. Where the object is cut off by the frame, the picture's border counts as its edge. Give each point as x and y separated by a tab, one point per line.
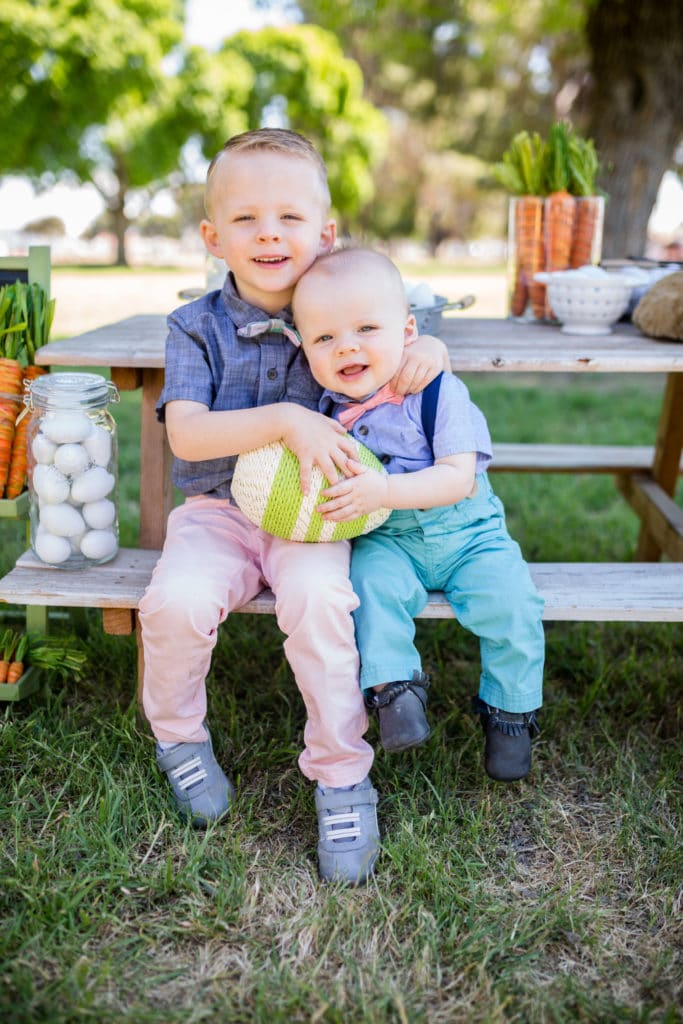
156	489
658	523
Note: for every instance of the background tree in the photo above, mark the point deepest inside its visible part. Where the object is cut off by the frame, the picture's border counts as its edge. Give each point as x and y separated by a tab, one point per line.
634	101
103	92
300	79
84	84
473	72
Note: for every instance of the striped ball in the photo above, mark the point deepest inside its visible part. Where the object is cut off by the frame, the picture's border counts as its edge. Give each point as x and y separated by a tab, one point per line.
266	488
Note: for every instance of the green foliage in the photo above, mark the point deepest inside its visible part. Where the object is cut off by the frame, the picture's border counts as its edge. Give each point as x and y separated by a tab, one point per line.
521	170
26	316
74	66
302	72
535	166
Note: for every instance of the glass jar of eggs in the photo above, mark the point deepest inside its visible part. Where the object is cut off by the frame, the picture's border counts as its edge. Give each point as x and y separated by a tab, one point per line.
72	469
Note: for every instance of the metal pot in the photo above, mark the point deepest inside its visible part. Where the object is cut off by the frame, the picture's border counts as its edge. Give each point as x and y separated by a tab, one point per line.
429	317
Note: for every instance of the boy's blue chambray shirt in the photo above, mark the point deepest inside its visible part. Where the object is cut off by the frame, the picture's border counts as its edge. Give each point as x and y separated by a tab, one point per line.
394	432
207	362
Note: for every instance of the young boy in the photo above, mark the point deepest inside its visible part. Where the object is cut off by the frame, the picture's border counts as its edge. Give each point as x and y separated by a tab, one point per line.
448	529
235	379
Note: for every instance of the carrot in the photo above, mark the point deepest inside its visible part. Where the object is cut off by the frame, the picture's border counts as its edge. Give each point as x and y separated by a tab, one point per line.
8	416
18	465
16	666
520	171
530	252
9	642
11	373
18	469
560	206
584	167
10	385
587	241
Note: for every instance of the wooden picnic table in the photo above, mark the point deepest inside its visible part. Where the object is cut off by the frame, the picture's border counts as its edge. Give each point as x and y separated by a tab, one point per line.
134	348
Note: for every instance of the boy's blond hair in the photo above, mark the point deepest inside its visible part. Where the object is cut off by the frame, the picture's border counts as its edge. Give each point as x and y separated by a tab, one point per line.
272	140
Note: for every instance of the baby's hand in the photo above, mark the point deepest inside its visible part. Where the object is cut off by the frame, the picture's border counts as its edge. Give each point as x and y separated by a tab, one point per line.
355	496
317	440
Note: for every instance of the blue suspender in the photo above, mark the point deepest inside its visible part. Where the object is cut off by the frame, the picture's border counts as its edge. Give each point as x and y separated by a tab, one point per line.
430	401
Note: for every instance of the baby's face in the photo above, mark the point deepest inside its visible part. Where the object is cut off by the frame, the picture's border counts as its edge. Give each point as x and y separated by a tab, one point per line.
268	222
353	328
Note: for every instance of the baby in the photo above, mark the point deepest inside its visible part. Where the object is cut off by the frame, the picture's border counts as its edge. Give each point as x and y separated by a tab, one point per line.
447	531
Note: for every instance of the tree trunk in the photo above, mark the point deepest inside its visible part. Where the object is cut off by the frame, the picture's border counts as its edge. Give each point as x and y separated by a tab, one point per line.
636	109
117	208
120	226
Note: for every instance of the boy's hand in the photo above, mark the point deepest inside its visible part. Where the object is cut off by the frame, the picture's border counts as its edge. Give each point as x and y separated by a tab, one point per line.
356	496
317	440
423	359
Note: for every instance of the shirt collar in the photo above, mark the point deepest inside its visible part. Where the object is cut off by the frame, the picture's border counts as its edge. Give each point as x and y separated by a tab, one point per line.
241	312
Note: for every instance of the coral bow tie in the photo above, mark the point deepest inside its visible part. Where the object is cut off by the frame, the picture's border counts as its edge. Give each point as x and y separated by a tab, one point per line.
386	395
275	324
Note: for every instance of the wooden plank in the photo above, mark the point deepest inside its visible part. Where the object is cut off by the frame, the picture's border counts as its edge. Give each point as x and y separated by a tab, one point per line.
573	591
504	345
137	341
474	344
662	519
572	458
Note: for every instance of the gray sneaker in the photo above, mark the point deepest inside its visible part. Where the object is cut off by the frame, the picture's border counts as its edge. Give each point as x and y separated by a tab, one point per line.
400	708
201	789
348	833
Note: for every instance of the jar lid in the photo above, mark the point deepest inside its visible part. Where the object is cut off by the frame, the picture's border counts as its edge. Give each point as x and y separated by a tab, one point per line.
71	391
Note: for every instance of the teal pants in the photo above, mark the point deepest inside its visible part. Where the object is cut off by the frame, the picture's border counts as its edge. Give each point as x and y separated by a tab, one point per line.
466	551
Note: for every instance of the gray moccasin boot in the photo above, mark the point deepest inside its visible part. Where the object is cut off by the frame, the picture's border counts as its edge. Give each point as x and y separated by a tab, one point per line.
400	708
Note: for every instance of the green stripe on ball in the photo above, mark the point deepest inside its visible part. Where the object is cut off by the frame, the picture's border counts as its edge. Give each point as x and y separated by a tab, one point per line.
266	488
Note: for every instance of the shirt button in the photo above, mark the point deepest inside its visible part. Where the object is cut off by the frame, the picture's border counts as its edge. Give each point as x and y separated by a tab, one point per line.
385	460
363	431
272	374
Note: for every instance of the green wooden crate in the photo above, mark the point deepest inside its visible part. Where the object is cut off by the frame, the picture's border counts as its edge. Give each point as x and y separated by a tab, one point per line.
28	684
14	508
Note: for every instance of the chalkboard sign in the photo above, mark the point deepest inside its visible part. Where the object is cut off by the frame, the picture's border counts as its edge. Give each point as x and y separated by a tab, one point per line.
10	276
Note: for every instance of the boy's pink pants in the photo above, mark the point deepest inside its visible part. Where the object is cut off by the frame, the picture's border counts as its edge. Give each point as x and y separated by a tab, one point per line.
213	561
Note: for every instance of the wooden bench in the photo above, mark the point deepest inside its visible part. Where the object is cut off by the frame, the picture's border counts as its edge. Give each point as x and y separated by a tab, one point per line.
621	460
573	591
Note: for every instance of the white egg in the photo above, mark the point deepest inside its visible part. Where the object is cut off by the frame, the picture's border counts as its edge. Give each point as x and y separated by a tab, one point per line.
92	485
75	542
43	449
99	543
98	446
421	295
49	484
51	549
64	427
63	520
99	514
71	459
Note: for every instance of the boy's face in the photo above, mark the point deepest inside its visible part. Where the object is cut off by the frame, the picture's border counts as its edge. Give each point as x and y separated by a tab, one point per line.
269	221
354	327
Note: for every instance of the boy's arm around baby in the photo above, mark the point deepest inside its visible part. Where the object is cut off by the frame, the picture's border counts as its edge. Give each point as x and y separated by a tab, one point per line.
196	432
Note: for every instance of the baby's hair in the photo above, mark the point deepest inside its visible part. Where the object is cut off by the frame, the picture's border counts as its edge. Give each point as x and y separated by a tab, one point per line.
271	140
350	258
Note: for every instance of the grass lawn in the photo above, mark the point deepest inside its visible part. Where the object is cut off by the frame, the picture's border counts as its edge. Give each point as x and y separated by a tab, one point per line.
557	899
